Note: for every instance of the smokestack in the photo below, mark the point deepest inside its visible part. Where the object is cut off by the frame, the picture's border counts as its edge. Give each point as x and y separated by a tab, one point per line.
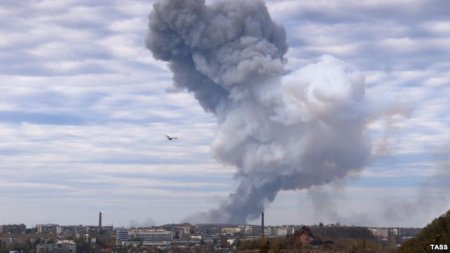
100	220
262	225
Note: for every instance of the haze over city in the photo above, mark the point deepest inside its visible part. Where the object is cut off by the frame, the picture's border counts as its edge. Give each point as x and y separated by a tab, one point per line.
85	109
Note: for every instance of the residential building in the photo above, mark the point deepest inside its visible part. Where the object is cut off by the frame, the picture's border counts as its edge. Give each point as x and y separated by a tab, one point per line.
64	246
47	228
13	229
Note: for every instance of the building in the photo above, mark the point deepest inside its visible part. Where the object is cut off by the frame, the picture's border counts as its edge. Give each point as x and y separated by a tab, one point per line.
47	228
207	229
64	246
180	231
45	248
231	230
281	231
13	229
380	233
122	236
148	236
247	229
66	229
267	231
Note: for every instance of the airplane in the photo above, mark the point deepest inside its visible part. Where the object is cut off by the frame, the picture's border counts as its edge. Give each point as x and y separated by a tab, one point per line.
171	138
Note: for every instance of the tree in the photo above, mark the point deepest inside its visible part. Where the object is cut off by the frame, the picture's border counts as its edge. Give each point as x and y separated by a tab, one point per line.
265	246
436	233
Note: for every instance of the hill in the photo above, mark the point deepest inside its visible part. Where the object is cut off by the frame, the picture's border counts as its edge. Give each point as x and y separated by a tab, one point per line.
435	237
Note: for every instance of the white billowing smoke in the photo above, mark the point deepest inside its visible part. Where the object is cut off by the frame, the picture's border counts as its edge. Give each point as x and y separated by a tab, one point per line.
281	131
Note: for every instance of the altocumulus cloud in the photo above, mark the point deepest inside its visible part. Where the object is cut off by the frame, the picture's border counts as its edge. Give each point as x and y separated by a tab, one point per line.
84	108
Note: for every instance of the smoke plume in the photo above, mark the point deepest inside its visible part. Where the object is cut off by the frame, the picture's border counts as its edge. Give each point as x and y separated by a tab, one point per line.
433	195
282	131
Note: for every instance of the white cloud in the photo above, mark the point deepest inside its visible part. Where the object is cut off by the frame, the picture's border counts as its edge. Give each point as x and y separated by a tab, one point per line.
134	25
438	27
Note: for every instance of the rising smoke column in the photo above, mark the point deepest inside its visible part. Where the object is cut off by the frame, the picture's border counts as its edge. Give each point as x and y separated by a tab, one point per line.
281	131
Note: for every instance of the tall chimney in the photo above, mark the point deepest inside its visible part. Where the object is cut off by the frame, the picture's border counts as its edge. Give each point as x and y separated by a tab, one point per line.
262	225
100	220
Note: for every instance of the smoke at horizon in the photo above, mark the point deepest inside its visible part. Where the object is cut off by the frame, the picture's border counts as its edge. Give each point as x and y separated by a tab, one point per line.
282	130
432	196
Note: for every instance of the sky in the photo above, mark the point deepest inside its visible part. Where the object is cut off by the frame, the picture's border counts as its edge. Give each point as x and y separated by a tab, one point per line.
84	109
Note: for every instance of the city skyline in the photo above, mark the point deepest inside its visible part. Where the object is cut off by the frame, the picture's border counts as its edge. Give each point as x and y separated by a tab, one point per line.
85	111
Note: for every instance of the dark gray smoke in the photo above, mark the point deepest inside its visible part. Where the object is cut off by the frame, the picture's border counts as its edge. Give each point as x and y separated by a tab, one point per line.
216	51
281	131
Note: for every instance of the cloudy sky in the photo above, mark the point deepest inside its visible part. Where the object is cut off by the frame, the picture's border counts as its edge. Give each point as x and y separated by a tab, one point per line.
84	108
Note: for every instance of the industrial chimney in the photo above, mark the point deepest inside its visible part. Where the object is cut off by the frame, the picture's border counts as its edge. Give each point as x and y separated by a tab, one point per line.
100	220
262	225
